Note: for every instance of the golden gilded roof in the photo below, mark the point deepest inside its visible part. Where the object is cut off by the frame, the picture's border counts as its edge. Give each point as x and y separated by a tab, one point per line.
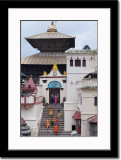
45	73
42	59
55	68
64	73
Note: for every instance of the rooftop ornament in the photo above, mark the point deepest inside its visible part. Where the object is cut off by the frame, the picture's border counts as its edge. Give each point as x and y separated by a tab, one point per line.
64	73
55	68
45	73
52	28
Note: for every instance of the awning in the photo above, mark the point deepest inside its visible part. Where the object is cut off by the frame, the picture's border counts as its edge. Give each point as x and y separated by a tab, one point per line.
92	119
77	115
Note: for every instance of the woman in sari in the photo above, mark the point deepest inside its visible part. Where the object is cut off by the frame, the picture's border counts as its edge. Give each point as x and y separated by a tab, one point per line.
57	121
58	114
52	121
48	123
51	112
56	98
56	129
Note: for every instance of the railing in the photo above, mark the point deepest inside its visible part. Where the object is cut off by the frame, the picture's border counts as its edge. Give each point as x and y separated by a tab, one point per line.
38	99
31	100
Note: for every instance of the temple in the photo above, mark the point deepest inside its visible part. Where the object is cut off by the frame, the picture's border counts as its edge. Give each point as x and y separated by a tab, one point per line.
51	46
71	75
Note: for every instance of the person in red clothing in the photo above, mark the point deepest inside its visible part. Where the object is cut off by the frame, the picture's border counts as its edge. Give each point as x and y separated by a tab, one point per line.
56	129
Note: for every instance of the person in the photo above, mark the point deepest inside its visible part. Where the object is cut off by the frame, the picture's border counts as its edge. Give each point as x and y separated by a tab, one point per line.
56	129
52	98
56	98
51	112
52	121
57	121
48	123
58	114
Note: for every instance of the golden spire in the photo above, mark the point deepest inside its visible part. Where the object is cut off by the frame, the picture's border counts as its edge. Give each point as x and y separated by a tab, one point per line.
55	68
52	28
52	24
64	73
45	73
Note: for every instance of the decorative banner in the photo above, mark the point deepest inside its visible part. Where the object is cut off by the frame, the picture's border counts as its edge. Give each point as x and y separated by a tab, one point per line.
54	84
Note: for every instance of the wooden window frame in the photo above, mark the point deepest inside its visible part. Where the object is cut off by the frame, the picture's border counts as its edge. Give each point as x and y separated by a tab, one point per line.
71	62
76	64
95	101
84	63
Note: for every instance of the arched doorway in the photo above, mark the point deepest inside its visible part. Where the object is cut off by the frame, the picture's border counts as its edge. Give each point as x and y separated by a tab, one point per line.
54	89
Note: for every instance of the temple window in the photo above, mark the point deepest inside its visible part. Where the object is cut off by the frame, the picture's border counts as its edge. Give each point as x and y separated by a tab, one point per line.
77	62
84	63
81	100
95	101
64	81
71	62
44	81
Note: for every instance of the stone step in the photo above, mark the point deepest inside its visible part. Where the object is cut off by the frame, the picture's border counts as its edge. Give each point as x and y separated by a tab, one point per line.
46	118
44	131
45	124
53	132
68	134
57	108
46	112
50	128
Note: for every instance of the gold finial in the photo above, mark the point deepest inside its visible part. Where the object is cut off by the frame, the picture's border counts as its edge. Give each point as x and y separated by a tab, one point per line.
45	73
64	73
55	68
52	24
52	28
31	76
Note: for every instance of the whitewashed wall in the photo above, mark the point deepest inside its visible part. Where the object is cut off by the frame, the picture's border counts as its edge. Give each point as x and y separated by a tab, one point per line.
87	108
69	111
74	83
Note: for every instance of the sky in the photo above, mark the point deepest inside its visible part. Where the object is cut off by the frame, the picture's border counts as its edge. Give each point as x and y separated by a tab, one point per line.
84	31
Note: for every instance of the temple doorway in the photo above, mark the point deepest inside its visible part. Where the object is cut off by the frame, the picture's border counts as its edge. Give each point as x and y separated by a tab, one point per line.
52	93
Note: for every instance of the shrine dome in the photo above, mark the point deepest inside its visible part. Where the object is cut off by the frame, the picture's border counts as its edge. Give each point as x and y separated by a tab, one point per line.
86	47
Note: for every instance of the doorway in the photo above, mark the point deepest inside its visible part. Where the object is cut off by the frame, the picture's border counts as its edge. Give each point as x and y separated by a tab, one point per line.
54	91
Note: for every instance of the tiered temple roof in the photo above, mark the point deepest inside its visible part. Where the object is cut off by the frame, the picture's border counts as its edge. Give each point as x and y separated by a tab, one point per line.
52	40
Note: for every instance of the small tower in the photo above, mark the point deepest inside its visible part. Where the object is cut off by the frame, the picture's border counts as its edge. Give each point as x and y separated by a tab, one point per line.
45	73
52	28
55	68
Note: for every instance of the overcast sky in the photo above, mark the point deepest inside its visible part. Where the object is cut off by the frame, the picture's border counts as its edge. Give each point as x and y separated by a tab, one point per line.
84	31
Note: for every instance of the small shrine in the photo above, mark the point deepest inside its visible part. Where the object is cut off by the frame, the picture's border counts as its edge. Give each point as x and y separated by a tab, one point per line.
53	83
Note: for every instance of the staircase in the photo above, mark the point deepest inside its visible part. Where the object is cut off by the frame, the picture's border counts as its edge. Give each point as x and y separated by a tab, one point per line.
44	131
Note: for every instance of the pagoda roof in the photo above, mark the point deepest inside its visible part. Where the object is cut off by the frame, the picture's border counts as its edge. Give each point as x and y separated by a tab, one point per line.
30	85
50	35
52	40
39	59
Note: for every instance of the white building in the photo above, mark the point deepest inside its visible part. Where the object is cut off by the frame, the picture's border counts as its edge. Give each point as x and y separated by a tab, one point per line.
53	84
87	103
79	64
